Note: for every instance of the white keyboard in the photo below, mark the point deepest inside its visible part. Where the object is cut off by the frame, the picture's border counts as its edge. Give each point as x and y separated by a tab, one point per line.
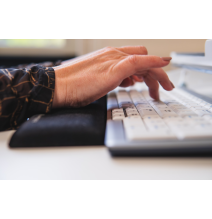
177	116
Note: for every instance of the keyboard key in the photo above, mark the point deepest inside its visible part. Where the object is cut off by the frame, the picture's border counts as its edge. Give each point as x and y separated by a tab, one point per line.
151	122
178	107
185	129
184	112
197	107
158	127
157	103
147	112
166	112
131	110
207	117
155	124
172	102
175	104
128	121
132	114
125	105
143	106
208	106
120	110
189	133
133	127
136	102
202	112
150	117
203	103
173	123
117	114
193	118
118	117
190	104
161	107
112	102
203	125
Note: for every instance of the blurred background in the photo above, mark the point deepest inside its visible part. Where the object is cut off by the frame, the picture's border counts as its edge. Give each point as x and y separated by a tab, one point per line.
24	51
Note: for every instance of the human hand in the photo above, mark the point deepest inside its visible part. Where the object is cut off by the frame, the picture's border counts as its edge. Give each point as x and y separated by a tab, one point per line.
86	79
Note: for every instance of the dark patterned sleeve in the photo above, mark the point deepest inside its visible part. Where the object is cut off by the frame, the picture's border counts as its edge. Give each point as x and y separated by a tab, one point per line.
23	93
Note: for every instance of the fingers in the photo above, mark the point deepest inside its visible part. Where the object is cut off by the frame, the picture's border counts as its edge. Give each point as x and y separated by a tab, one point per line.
153	86
143	65
133	50
130	81
127	82
138	63
160	75
137	78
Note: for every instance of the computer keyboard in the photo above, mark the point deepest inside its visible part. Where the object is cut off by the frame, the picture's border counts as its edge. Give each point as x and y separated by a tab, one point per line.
135	119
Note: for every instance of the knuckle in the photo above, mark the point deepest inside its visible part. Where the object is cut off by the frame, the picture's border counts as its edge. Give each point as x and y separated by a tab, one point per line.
133	59
109	48
143	50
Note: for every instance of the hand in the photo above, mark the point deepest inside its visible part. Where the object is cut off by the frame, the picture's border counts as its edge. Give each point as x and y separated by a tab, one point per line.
87	78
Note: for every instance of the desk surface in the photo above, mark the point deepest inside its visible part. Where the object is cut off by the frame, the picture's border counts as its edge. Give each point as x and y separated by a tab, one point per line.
93	163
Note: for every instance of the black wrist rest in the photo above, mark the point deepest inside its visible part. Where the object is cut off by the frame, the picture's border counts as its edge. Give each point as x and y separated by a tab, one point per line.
64	127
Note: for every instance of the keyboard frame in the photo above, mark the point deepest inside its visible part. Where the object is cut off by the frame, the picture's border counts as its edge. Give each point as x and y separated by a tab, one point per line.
119	145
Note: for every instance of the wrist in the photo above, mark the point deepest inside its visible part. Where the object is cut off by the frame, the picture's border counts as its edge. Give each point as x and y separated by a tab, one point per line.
60	88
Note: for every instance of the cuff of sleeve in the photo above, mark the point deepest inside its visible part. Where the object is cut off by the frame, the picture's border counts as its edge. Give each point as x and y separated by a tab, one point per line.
42	93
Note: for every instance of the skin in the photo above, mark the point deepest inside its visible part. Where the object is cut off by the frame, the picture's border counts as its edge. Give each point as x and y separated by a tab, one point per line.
85	79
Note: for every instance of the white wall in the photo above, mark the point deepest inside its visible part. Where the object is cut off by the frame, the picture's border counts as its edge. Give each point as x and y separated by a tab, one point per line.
160	47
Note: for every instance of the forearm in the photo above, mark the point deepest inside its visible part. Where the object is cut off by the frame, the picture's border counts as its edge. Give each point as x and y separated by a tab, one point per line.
24	93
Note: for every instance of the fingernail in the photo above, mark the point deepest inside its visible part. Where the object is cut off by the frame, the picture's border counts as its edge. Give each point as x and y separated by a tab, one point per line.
172	84
166	58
